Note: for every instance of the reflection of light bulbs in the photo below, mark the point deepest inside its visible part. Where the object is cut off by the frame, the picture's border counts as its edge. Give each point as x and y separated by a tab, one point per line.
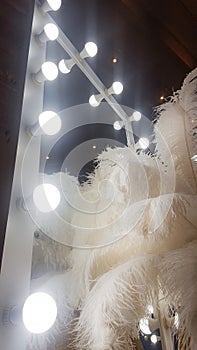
90	50
51	5
143	142
50	122
39	312
137	116
153	339
144	327
46	197
50	32
118	125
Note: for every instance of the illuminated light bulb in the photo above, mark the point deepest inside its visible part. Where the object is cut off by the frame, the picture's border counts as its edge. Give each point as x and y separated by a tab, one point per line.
136	116
46	197
144	326
118	125
153	339
143	142
48	71
90	50
39	312
51	5
116	88
50	32
94	146
65	66
114	60
50	122
95	100
162	98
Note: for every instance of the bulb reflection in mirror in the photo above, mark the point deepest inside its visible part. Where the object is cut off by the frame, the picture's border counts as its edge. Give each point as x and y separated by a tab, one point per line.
39	312
46	197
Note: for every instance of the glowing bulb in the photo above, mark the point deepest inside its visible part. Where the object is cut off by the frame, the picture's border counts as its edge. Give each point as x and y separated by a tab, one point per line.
116	88
46	197
161	98
94	146
143	142
65	66
50	32
114	60
144	327
50	122
90	50
118	125
39	312
93	101
48	71
153	339
137	116
51	5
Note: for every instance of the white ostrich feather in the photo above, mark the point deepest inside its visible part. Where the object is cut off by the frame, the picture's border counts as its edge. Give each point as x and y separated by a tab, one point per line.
113	308
174	130
178	278
132	229
48	255
177	226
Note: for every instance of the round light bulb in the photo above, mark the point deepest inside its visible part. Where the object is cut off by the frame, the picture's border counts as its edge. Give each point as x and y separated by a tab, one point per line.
46	197
153	338
118	125
62	67
54	4
91	49
51	31
144	327
49	70
93	102
39	312
117	87
143	142
137	116
50	122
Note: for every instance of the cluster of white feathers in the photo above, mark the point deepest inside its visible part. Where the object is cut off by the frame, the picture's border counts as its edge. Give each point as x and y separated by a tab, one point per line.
124	237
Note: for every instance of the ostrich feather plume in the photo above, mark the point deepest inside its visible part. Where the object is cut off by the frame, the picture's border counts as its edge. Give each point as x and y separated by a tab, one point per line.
125	236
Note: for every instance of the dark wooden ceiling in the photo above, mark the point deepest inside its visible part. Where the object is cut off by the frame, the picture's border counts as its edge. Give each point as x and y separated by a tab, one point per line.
154	40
